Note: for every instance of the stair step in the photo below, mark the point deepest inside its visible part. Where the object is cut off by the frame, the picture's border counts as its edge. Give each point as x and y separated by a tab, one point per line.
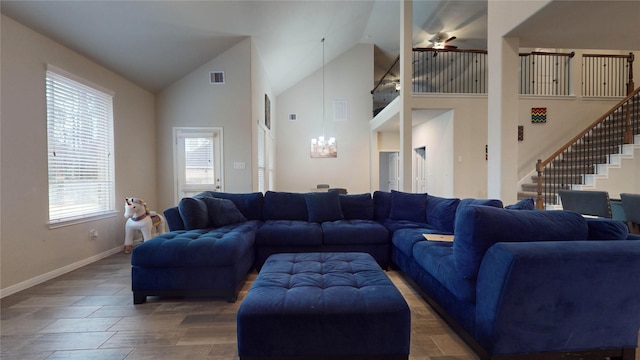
589	158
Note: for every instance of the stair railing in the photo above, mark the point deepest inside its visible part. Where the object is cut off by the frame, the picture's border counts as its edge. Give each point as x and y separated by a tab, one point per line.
591	146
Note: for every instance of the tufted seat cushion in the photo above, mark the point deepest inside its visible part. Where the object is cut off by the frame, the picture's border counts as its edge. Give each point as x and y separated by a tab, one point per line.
323	304
195	248
354	232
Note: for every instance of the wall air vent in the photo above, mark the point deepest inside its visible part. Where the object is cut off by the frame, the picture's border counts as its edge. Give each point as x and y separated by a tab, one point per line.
340	110
216	77
293	117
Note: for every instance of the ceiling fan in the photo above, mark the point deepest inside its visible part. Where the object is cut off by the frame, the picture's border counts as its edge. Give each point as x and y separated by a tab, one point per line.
441	40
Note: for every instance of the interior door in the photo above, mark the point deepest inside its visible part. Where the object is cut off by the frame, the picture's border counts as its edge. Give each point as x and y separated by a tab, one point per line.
420	169
394	171
198	161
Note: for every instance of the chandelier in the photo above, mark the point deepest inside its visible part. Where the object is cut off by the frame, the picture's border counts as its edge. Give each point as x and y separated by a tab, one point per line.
320	147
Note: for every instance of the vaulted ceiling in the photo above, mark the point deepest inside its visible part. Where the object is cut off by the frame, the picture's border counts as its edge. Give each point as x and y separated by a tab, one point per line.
154	43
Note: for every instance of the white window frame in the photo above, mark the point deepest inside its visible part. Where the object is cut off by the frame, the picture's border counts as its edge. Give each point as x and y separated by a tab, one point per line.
85	151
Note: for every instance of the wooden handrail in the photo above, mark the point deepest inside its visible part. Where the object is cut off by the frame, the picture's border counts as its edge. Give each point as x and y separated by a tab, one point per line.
541	164
571	54
630	56
585	131
385	74
628	127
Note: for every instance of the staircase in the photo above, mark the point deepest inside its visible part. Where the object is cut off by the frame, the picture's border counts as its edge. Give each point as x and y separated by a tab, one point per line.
589	155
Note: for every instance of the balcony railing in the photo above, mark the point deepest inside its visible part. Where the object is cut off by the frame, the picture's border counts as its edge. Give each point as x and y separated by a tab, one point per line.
545	73
454	71
449	71
607	75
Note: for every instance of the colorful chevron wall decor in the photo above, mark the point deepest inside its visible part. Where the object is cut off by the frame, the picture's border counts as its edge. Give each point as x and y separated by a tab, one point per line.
520	132
539	115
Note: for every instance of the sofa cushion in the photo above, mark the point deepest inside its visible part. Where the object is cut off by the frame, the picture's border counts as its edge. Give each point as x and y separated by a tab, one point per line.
194	213
395	225
289	232
441	212
381	205
479	227
219	247
486	202
526	204
222	212
606	229
403	240
408	206
436	258
284	206
249	204
357	206
323	206
347	232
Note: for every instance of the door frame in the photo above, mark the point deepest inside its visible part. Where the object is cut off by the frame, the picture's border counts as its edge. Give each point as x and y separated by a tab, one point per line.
218	155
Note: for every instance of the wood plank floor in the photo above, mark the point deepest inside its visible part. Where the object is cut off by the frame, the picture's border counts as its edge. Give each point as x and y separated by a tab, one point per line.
89	314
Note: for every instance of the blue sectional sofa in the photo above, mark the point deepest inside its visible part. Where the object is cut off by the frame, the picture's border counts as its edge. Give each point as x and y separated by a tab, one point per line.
516	282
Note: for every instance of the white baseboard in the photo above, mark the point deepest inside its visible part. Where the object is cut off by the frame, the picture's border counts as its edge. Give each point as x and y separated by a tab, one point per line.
10	290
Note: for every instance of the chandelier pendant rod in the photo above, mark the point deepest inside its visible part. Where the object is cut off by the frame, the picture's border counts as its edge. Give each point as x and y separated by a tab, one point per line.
323	88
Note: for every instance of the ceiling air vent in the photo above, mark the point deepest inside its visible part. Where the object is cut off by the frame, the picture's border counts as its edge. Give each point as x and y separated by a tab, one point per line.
216	77
293	117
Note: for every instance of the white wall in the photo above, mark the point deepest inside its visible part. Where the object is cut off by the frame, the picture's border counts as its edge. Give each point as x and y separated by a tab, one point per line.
259	87
436	135
348	77
623	179
30	251
565	119
193	102
469	139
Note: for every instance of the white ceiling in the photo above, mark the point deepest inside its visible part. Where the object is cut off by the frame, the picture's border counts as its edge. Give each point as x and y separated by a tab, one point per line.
156	42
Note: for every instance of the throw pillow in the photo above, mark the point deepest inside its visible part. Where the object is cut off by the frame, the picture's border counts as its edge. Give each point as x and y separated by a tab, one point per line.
472	201
408	206
526	204
194	213
606	229
357	207
381	205
249	204
441	213
323	206
279	205
223	212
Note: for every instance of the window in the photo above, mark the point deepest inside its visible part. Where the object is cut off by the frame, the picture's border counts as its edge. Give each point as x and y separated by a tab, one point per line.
80	149
198	160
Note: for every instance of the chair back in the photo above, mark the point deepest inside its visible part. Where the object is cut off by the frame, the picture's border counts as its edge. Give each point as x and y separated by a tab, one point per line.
594	203
339	190
631	206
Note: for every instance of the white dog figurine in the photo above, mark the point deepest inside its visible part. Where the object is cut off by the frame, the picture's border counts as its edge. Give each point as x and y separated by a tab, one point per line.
139	218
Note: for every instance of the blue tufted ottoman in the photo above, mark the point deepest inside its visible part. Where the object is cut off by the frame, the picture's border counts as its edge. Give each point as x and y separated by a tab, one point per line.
323	305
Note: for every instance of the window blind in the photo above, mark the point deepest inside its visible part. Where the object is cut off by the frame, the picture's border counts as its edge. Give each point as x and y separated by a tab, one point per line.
80	149
199	160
